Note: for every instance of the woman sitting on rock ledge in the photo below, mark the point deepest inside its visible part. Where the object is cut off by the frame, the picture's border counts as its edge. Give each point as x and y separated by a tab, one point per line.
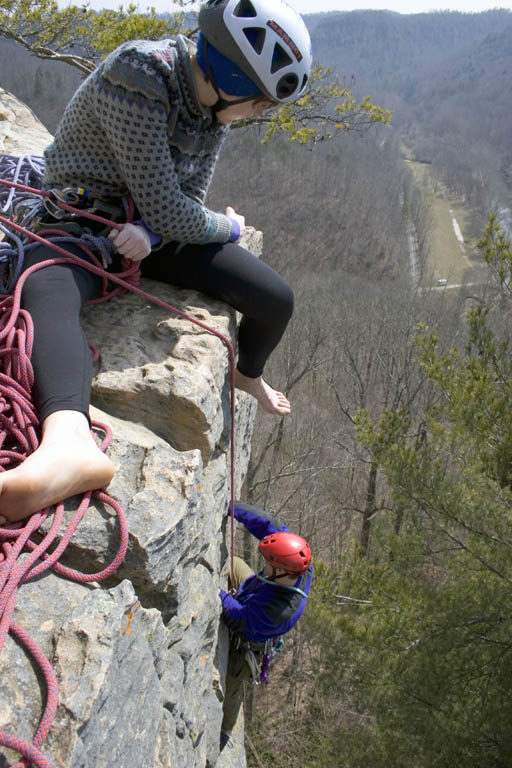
149	123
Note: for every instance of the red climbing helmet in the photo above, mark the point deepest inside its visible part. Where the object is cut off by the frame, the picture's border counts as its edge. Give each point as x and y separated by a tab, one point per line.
286	550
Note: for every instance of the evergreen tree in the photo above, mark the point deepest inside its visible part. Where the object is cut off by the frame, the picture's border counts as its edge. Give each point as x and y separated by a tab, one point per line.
433	652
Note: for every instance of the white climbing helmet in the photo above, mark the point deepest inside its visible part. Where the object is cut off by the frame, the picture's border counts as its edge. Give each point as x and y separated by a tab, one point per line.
267	39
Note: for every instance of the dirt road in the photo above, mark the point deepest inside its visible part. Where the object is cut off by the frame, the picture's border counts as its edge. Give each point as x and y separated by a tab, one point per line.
450	257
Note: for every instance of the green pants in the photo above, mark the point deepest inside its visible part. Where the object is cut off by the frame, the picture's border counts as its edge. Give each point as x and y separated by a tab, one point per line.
238	669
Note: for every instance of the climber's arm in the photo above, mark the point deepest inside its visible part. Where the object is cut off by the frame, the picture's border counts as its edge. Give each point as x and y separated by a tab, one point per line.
257	522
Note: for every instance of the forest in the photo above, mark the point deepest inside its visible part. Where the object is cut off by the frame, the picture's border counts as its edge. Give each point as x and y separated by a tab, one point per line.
395	463
395	460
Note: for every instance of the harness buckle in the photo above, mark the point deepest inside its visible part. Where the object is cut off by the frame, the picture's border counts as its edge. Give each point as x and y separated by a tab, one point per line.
75	196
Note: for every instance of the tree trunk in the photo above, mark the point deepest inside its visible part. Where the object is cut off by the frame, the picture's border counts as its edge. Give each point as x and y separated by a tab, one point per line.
369	511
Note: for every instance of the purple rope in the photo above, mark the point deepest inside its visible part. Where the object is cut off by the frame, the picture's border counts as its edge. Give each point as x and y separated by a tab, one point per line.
27	170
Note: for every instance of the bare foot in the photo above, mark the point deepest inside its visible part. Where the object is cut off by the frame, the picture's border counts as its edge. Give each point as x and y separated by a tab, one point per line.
269	399
67	462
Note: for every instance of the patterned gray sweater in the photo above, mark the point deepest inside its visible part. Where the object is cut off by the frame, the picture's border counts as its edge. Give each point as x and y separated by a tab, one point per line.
136	126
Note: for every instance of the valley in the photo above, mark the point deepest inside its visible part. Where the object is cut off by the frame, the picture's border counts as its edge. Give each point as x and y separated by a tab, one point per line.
452	258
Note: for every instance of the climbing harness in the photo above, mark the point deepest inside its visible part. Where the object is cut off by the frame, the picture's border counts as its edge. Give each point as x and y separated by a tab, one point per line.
271	648
257	655
22	204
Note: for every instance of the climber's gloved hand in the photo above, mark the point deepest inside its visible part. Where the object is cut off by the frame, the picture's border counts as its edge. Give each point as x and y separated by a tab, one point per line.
238	224
133	241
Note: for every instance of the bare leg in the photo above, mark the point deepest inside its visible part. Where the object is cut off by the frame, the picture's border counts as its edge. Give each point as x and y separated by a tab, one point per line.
228	272
270	399
68	461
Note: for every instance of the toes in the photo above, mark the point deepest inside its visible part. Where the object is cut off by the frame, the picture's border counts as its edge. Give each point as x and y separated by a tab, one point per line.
271	400
280	403
282	407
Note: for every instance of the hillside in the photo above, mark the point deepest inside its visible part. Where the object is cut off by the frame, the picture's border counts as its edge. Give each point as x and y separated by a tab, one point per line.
379	45
448	78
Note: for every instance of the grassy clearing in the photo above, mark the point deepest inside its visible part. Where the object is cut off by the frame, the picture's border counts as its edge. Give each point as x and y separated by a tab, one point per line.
449	259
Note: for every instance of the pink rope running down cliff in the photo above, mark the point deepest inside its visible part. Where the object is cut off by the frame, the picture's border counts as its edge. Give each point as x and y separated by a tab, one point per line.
18	438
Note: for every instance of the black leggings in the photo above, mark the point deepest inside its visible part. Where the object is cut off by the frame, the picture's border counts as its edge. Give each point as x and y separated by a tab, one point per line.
55	295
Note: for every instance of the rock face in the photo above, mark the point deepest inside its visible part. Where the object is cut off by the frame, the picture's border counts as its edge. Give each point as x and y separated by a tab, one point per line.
139	659
20	130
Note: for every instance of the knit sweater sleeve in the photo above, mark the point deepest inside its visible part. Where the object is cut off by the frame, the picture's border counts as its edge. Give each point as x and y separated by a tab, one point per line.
197	186
142	150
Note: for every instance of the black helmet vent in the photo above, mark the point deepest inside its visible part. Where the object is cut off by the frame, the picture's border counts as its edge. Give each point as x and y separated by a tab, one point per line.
280	59
245	10
287	85
256	37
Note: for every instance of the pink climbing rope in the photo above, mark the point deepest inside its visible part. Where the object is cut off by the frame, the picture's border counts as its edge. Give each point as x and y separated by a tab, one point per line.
18	433
19	438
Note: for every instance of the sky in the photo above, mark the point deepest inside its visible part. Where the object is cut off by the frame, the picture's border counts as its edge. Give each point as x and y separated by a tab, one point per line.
400	6
316	6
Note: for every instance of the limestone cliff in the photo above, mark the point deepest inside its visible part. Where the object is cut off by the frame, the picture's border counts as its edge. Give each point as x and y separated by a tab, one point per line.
139	659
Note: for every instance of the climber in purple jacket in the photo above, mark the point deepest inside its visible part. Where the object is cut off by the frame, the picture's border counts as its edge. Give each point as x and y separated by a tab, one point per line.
266	604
